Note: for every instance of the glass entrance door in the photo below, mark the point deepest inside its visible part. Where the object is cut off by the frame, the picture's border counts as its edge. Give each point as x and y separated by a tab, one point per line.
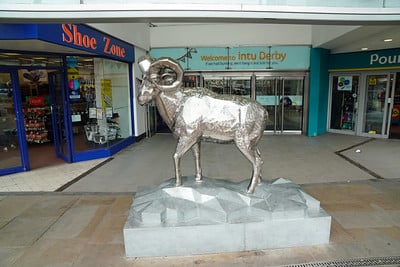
229	85
267	95
283	99
375	120
291	104
12	158
59	116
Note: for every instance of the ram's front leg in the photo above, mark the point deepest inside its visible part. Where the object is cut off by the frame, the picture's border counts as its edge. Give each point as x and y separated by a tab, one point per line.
184	144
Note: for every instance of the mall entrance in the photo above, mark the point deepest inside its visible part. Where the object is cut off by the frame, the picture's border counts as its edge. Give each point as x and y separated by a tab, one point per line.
283	95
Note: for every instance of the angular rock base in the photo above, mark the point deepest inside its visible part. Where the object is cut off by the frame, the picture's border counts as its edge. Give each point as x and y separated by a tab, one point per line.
217	216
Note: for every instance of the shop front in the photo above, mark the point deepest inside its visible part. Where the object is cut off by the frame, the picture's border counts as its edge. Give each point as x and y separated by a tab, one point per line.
275	76
364	93
65	95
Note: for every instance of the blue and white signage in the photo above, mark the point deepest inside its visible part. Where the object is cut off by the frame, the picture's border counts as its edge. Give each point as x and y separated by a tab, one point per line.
77	36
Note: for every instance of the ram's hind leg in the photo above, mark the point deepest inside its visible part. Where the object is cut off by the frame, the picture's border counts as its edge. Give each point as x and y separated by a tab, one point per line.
196	154
259	162
184	144
254	157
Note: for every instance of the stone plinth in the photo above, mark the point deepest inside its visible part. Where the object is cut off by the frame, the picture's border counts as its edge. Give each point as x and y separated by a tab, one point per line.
218	216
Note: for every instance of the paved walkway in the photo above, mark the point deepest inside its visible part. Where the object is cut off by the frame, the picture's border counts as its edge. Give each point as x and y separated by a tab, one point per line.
356	180
304	160
60	229
322	159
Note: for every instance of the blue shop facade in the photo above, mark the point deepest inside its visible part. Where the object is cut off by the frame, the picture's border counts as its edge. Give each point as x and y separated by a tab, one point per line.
65	93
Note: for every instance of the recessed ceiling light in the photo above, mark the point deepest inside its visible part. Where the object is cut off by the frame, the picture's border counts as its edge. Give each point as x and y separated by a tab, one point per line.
364	48
388	40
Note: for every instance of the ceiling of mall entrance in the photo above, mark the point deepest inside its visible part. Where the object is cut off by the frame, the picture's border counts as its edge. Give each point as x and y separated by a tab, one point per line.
374	21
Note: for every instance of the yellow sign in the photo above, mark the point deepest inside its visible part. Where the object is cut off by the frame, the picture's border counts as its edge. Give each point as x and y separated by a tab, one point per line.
396	113
106	93
372	80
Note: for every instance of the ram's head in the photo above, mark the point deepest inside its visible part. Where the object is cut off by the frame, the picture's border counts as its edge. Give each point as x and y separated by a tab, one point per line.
164	74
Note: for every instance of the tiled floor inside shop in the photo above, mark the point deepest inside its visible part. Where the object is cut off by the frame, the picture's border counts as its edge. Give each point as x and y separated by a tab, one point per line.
356	179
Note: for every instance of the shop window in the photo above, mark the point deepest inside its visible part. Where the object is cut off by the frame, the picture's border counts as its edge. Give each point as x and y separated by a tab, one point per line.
343	102
98	91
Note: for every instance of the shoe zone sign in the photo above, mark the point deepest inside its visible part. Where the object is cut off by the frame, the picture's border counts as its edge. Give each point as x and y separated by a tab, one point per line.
77	36
85	38
238	58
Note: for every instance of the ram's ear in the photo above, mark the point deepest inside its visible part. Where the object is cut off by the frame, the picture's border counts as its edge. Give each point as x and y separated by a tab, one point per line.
166	73
144	63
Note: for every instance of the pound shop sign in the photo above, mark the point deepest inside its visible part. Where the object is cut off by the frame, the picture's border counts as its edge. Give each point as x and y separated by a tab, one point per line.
384	59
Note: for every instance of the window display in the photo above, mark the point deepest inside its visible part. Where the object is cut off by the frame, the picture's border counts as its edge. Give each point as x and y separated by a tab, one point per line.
344	94
36	105
37	126
99	101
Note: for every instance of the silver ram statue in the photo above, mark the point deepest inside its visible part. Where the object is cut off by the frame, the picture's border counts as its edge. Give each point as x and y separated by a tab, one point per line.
194	114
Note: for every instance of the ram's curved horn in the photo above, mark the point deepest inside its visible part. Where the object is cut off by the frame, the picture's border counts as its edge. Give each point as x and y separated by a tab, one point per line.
156	75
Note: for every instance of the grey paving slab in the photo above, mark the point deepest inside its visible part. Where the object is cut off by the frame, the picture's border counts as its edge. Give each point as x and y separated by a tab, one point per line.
12	206
24	231
73	223
8	255
50	207
380	243
46	252
379	156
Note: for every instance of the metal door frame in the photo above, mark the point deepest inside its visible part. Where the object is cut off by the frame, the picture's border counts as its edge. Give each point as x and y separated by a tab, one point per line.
396	75
19	123
279	79
59	150
357	104
388	104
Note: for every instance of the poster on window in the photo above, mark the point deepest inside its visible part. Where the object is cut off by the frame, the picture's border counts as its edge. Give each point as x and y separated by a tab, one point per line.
34	76
92	113
106	93
345	83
